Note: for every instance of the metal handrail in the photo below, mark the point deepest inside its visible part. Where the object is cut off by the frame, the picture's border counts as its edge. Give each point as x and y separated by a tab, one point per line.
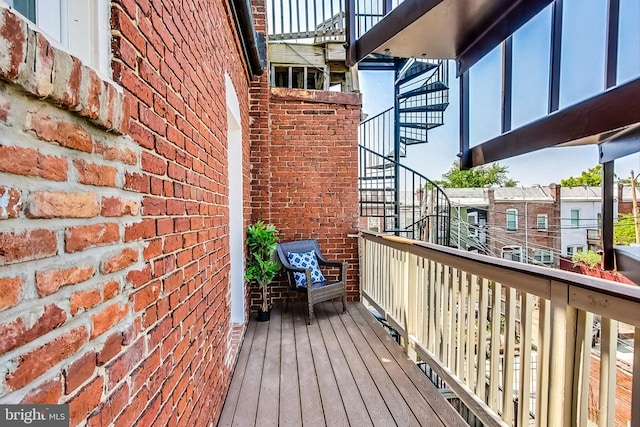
436	229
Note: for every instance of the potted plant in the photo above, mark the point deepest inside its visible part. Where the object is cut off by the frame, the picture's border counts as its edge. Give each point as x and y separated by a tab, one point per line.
261	265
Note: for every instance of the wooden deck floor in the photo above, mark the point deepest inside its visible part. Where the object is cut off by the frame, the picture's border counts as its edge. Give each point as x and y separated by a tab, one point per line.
342	370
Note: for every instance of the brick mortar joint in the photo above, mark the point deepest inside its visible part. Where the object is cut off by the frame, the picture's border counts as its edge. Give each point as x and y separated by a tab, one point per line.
36	77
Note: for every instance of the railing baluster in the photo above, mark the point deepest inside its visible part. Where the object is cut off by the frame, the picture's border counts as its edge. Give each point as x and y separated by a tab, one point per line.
509	355
582	367
453	285
608	351
439	323
563	327
494	361
483	303
524	392
471	331
445	314
542	362
412	298
422	300
460	323
432	307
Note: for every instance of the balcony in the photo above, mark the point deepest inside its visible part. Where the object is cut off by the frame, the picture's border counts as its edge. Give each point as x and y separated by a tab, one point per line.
472	322
342	370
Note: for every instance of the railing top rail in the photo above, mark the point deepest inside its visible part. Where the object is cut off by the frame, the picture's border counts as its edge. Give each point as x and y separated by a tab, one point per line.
368	119
507	272
408	169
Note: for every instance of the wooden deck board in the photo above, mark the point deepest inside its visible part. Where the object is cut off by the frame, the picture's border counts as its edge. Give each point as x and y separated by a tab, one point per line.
375	362
376	406
342	370
353	403
334	412
421	383
311	406
290	411
233	393
269	398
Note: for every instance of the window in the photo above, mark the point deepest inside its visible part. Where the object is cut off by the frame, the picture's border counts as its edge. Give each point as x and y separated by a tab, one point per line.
575	218
543	256
512	219
572	249
298	77
472	223
513	253
80	26
542	222
599	220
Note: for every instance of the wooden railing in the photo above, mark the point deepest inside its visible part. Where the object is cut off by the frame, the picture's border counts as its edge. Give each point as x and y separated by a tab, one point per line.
513	341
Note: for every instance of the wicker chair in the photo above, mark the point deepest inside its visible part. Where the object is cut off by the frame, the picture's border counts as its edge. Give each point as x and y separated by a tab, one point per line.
319	291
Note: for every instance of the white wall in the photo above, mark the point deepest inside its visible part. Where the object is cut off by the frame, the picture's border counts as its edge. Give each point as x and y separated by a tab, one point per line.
236	219
589	211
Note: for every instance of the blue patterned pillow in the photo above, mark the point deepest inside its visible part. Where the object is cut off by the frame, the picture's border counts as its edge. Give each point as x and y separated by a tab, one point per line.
305	260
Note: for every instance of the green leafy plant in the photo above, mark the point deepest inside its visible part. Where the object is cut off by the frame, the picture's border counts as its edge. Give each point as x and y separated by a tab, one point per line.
589	258
261	267
478	177
624	231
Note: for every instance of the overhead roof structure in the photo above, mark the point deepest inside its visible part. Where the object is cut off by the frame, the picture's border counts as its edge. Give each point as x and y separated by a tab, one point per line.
466	30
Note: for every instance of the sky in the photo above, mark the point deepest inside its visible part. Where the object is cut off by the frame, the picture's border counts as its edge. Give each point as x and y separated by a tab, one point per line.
582	76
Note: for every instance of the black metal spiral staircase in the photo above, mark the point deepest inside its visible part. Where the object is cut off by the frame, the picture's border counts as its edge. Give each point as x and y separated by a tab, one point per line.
405	202
401	200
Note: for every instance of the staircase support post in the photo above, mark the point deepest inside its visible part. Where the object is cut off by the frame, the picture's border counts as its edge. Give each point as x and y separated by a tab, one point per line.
396	147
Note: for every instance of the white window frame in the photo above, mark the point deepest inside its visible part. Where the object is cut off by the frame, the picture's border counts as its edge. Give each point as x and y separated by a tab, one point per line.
511	250
513	212
575	223
472	224
80	27
543	256
572	249
545	221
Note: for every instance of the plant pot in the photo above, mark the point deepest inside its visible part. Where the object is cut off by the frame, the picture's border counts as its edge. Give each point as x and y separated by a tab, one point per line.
264	316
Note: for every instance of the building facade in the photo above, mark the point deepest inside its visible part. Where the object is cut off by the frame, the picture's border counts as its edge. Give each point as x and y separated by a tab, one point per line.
129	169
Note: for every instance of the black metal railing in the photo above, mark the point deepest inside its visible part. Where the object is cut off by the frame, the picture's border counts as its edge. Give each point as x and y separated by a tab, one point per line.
323	20
406	202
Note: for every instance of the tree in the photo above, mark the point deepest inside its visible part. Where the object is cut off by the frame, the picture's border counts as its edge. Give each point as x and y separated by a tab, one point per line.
480	176
624	230
591	178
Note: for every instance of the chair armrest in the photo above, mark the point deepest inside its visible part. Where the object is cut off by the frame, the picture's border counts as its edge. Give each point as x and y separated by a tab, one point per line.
329	263
341	265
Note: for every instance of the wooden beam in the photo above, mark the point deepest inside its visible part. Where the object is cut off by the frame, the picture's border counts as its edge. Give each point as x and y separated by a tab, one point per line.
614	109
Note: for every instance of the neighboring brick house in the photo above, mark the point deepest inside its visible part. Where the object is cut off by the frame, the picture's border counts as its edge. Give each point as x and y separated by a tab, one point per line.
625	198
124	195
523	223
517	223
469	211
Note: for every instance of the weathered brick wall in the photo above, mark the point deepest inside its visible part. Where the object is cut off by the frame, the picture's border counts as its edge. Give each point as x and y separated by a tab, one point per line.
307	180
114	253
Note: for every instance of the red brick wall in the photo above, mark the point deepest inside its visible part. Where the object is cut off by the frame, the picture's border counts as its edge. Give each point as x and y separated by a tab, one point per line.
527	226
306	179
624	384
114	259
